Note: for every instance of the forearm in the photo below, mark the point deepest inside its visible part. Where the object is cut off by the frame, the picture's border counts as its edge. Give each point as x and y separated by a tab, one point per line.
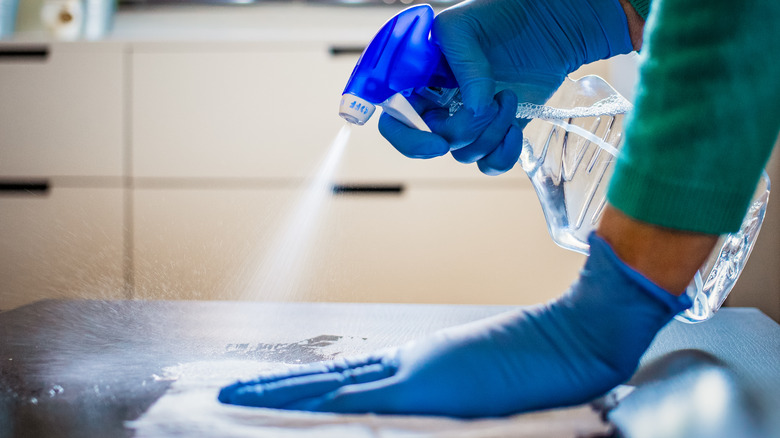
636	24
669	258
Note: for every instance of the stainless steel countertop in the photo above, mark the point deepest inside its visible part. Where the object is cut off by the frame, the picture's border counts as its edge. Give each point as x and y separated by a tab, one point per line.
82	368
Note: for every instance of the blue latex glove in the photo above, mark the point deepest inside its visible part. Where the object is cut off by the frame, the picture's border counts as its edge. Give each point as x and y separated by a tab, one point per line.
563	353
529	45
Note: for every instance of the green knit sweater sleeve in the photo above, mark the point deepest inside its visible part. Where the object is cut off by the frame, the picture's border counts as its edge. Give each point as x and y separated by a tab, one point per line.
642	7
706	116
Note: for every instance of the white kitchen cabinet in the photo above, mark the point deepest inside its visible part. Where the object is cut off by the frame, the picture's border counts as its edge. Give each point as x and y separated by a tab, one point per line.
260	110
427	244
67	243
207	142
223	132
61	110
61	127
250	113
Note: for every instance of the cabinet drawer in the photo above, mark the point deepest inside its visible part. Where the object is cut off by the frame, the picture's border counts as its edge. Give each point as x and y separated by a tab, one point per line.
268	112
61	111
229	114
422	245
64	244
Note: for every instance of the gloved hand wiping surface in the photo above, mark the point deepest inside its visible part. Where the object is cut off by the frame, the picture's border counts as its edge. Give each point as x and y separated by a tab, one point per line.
566	352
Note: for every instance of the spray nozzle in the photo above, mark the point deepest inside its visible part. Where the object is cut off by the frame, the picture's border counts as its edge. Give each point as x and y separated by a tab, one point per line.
400	58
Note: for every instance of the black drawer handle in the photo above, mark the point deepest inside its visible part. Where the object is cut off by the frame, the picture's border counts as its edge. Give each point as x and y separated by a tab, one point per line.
346	50
29	53
368	189
25	187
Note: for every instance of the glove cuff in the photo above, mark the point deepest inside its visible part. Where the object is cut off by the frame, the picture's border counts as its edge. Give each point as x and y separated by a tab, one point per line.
614	27
612	298
674	304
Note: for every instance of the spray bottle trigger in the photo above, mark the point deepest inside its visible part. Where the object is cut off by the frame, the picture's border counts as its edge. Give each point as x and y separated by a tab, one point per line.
400	108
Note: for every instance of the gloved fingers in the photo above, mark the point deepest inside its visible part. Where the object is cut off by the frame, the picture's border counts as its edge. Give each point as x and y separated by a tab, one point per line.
458	37
411	142
449	132
504	157
422	104
309	369
462	128
492	135
382	396
332	366
279	393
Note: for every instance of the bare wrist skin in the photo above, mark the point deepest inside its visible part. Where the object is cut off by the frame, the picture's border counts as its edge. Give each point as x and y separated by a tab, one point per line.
669	258
636	25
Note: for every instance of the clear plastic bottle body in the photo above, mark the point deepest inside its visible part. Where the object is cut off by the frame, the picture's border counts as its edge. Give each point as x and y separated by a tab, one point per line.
570	148
569	151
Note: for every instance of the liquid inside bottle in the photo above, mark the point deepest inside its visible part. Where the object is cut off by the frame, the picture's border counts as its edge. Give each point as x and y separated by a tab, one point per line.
570	147
569	150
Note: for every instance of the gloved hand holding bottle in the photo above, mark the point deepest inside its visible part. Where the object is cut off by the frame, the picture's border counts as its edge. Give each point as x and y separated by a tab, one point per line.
563	353
528	46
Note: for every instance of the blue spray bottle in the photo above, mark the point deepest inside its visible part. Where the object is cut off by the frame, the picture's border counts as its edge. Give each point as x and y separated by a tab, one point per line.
569	147
399	59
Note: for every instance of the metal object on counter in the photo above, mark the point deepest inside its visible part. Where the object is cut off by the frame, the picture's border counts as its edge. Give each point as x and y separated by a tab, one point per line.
708	398
8	10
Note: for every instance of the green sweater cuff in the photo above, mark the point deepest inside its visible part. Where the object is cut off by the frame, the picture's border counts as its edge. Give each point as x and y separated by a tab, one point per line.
642	7
677	204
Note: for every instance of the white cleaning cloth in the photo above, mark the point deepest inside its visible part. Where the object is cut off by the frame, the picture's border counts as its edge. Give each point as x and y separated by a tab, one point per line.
190	409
